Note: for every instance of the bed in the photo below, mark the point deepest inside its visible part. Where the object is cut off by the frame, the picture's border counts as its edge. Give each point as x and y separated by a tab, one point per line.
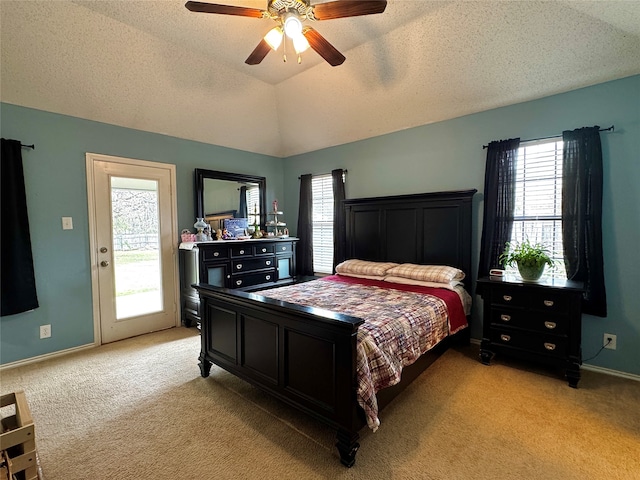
307	355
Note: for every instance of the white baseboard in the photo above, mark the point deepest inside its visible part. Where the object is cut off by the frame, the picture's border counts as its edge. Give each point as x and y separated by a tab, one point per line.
46	356
593	368
608	371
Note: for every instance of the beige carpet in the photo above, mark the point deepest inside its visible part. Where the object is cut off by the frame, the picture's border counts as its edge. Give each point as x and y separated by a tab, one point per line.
138	409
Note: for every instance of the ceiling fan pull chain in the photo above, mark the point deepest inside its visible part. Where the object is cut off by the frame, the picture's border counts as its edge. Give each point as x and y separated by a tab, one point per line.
284	49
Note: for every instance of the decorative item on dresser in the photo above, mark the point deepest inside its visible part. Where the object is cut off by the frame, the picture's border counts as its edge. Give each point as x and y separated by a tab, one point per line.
307	356
239	264
537	321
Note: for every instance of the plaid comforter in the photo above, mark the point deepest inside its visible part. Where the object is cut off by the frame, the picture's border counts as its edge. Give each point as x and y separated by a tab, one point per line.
400	325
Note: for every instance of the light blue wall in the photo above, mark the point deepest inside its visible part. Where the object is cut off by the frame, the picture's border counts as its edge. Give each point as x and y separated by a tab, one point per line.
441	156
55	177
449	156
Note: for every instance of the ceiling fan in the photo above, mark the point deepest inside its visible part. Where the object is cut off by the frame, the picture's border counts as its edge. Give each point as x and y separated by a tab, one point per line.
290	16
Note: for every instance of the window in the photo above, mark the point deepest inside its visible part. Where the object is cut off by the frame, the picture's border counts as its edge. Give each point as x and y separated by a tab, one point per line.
538	200
322	223
253	204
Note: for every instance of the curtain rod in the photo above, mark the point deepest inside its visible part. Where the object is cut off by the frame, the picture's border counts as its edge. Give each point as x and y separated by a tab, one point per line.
32	146
317	174
611	128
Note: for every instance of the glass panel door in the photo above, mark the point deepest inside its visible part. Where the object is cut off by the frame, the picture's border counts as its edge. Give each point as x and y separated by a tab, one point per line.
136	240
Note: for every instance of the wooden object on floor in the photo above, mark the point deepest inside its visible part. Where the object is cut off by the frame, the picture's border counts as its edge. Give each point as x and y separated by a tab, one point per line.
18	439
535	321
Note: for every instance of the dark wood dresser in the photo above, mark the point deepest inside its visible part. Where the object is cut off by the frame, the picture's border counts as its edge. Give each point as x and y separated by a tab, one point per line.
536	321
239	264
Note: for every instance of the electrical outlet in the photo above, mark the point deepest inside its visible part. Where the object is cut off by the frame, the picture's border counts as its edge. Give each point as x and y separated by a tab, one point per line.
611	345
45	331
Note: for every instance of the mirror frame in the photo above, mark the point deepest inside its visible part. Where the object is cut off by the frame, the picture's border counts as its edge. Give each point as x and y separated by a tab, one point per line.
200	174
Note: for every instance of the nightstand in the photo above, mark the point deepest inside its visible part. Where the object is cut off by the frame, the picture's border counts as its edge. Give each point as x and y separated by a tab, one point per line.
536	321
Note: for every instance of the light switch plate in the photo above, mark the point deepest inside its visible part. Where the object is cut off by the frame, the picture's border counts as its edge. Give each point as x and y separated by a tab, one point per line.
67	223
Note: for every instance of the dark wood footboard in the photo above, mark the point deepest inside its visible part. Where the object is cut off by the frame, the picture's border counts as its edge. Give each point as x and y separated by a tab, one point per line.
304	356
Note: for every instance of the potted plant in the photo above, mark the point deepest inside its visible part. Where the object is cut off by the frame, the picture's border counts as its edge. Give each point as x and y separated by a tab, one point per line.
529	258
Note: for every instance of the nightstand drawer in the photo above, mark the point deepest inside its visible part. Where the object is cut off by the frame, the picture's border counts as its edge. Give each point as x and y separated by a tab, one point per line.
552	345
502	316
510	297
549	302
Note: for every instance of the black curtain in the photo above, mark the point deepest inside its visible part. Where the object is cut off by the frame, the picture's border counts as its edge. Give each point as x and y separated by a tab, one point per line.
304	252
16	260
339	225
499	198
242	208
582	215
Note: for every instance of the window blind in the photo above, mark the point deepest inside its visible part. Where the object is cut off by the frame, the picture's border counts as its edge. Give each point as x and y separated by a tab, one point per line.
322	223
538	204
253	204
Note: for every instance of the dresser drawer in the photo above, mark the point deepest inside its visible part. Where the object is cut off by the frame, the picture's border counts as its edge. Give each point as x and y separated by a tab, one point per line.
242	251
266	249
519	318
249	279
214	252
552	345
284	247
251	264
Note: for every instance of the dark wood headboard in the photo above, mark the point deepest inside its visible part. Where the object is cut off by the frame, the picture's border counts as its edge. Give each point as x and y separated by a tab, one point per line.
427	228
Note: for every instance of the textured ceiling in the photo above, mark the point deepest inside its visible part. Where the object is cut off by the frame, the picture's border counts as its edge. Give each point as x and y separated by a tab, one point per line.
155	66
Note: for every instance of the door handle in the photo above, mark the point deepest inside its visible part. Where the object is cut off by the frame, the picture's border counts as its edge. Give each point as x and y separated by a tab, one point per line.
104	263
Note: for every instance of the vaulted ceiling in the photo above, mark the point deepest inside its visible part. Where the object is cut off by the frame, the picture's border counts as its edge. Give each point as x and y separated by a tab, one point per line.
155	66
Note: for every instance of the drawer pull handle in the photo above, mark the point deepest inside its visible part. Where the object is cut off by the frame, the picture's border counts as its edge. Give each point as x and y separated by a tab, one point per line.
548	303
284	248
268	277
238	282
505	318
264	250
239	266
268	262
507	298
215	254
550	346
241	252
505	338
550	325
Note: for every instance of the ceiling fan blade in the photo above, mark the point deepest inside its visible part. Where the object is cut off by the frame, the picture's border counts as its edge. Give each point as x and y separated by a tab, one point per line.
223	9
258	53
323	47
351	8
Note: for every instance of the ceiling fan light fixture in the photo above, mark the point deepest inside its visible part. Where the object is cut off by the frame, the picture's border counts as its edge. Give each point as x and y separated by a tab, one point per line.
292	25
274	37
300	44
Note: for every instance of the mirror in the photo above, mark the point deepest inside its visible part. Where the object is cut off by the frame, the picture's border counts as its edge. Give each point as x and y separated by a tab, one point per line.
217	196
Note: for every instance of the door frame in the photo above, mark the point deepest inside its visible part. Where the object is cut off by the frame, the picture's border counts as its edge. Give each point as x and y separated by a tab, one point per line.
90	158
